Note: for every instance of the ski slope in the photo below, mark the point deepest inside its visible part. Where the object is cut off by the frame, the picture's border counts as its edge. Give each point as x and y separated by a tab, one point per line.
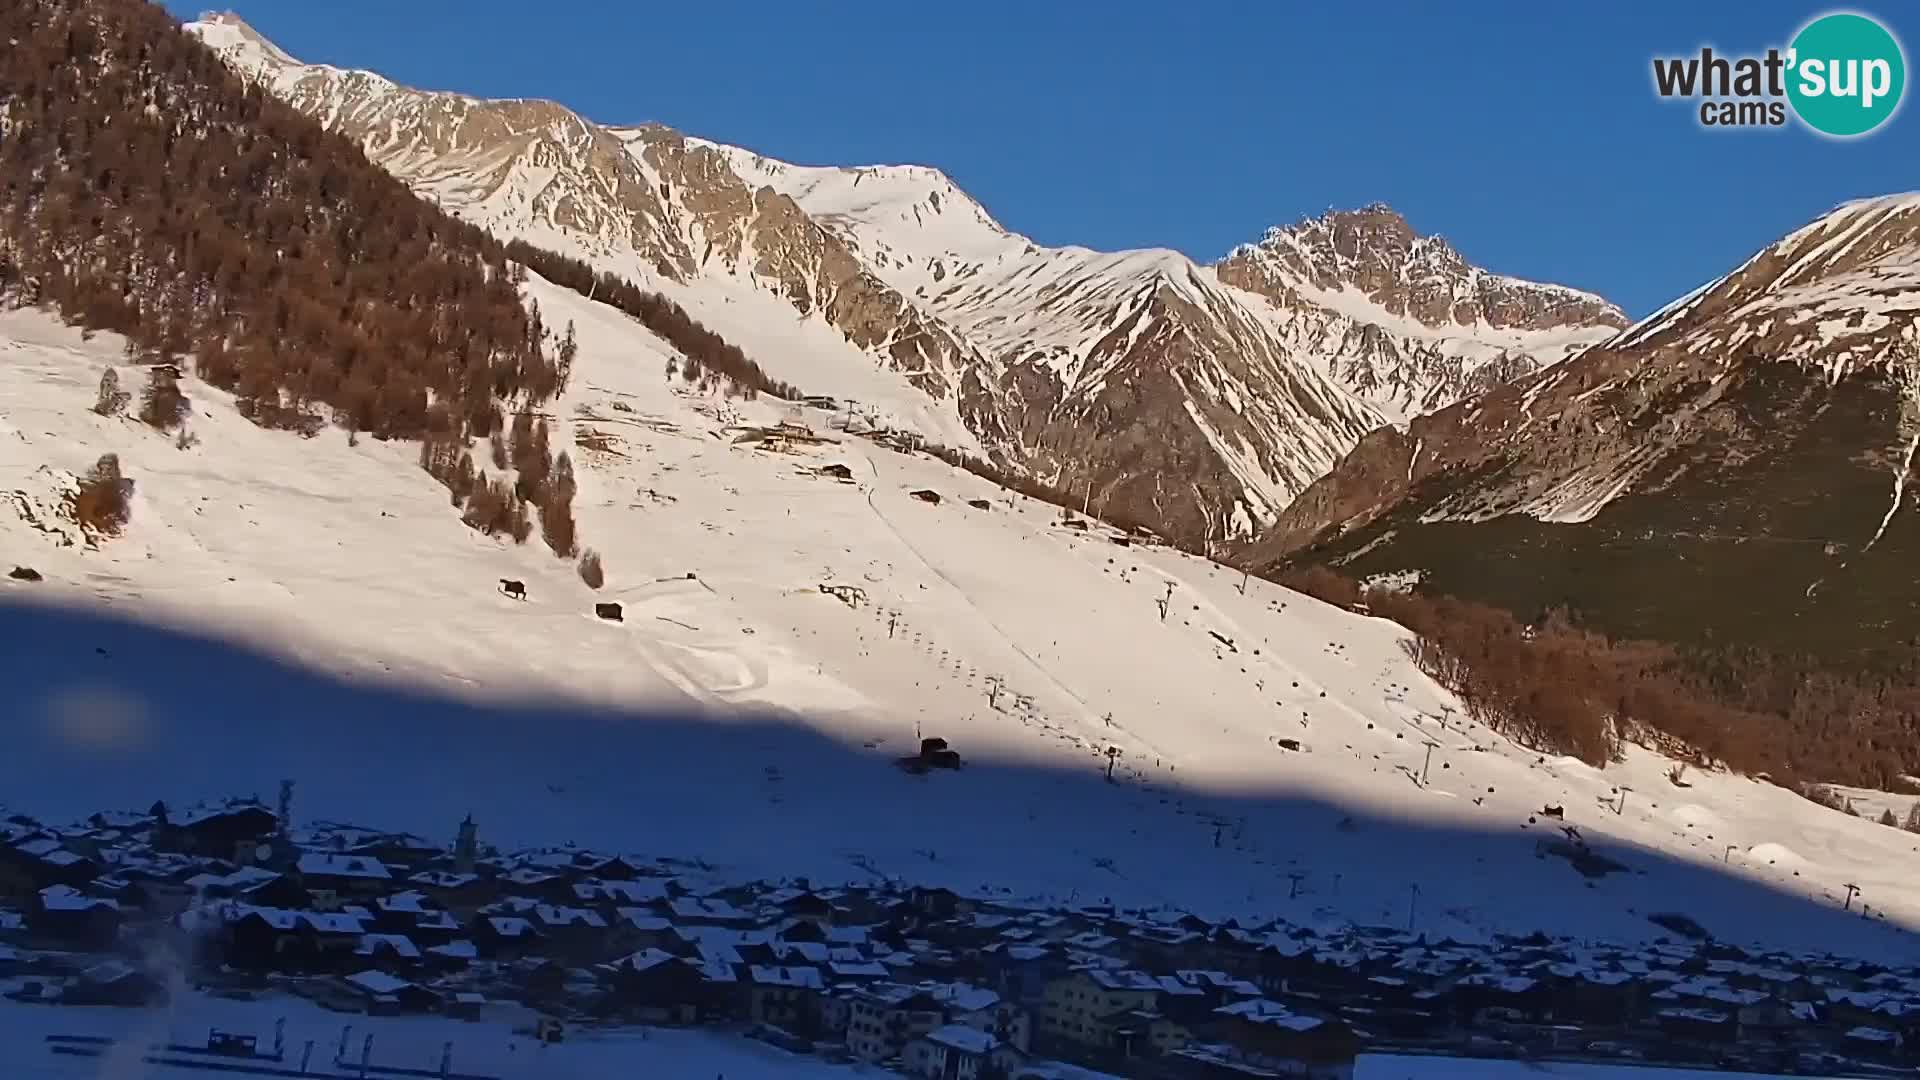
312	609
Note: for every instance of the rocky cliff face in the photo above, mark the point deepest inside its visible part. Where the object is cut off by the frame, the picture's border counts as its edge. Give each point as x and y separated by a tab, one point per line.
1402	318
1373	251
1201	398
1741	463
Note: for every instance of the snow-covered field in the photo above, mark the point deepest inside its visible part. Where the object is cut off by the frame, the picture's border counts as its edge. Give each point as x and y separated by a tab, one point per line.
313	610
493	1047
1395	1067
487	1047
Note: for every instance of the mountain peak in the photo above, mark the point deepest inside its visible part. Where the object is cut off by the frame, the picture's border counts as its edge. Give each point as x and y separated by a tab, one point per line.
1374	251
226	31
1375	215
1376	211
1415	324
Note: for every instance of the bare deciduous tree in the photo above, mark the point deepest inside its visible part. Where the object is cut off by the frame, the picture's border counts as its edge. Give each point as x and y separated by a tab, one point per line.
104	502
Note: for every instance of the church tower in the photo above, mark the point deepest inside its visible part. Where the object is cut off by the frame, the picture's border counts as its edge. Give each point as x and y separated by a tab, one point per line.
466	849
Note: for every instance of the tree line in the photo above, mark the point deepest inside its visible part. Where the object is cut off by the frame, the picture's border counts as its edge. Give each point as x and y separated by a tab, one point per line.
1557	687
530	483
703	351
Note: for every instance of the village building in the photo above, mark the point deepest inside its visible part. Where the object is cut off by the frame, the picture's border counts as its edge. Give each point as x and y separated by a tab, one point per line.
234	830
379	993
1267	1034
505	936
708	911
455	890
985	1010
785	997
1076	1005
116	983
63	914
958	1052
334	878
883	1018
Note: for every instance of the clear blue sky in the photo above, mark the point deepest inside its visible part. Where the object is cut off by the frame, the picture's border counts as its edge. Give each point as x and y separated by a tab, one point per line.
1527	133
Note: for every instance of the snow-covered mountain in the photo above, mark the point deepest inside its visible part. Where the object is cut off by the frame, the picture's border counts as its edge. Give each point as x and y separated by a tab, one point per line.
1402	318
1202	399
312	608
1751	443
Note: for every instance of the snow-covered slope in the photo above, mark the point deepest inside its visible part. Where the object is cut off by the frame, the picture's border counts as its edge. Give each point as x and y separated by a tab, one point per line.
1202	400
1835	292
414	691
911	223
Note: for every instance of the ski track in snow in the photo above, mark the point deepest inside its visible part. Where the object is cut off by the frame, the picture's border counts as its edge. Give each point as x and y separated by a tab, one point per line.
348	561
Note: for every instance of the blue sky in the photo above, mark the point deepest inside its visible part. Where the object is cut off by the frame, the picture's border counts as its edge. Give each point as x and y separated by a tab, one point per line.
1526	133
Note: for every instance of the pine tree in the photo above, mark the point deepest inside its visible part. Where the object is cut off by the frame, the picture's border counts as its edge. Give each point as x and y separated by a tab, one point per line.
517	521
112	401
488	505
463	478
162	405
534	460
1913	818
592	570
1887	818
557	526
519	437
569	348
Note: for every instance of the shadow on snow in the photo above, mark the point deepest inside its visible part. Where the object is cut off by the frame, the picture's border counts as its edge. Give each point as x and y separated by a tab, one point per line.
109	712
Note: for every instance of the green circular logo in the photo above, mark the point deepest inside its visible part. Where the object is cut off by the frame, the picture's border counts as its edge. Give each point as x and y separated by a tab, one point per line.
1846	74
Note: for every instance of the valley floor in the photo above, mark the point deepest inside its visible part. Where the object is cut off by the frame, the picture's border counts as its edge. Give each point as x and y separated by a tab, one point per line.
494	1048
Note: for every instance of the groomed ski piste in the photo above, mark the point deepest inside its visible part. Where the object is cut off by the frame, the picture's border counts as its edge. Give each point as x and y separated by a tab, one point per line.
313	609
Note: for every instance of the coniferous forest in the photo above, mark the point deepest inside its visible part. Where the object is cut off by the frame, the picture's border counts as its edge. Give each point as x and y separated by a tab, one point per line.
145	190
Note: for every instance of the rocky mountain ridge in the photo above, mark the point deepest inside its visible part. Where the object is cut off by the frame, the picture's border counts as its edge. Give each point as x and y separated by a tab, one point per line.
1404	319
1754	440
1203	399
